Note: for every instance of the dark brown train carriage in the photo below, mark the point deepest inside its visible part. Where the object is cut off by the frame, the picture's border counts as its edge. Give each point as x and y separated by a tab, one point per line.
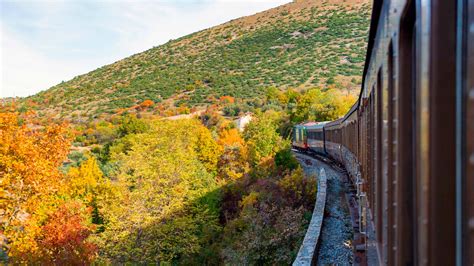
413	132
350	142
408	142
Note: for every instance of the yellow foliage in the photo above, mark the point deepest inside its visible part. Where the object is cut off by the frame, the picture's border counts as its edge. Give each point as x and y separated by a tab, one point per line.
231	137
207	148
82	181
161	176
322	105
249	200
298	185
233	163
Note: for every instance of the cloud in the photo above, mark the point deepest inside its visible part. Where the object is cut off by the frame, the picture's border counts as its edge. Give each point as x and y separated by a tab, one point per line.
45	42
26	71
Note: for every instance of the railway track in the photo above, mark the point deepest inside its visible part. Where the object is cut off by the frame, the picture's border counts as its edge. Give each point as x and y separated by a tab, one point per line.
334	164
338	243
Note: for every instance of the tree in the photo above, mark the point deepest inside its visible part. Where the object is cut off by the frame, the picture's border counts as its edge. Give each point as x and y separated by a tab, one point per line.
285	159
233	163
164	203
319	105
273	94
147	103
40	220
130	124
84	181
29	166
227	99
64	236
262	137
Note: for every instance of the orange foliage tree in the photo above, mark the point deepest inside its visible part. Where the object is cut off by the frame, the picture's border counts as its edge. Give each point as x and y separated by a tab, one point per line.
227	99
64	234
147	103
232	163
31	184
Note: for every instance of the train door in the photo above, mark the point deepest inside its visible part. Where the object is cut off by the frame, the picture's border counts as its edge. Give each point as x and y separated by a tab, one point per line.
468	140
426	135
468	137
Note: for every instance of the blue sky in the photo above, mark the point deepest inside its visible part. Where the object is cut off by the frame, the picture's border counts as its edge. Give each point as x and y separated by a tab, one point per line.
45	42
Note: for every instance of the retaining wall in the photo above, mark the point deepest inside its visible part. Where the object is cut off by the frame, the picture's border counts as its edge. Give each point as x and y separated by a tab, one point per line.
308	250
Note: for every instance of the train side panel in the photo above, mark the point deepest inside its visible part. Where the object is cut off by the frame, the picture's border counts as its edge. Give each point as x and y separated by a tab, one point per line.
316	137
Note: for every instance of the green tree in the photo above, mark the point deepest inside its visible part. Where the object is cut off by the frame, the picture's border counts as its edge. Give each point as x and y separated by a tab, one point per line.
130	124
262	137
319	105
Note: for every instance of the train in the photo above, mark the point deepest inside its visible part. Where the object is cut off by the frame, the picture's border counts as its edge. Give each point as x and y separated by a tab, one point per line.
408	142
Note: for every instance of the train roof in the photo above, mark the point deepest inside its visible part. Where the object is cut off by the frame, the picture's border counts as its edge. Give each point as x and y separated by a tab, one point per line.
351	111
315	125
312	125
334	123
308	124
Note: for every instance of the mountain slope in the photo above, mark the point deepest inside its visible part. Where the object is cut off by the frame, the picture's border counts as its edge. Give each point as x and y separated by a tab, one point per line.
301	44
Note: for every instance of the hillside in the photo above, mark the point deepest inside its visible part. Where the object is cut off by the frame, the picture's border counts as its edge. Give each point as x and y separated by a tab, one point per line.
300	45
121	185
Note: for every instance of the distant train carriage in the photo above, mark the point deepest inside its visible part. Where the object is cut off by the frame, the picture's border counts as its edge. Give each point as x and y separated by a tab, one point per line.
333	139
315	136
309	136
299	137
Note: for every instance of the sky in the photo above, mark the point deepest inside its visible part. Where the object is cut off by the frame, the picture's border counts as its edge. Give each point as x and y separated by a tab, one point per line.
44	42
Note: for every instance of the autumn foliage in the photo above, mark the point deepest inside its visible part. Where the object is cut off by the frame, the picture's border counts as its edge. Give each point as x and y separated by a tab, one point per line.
147	103
64	236
33	205
227	99
233	162
147	191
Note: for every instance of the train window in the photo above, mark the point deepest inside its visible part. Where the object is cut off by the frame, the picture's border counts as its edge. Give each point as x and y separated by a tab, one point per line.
378	162
389	102
371	149
406	219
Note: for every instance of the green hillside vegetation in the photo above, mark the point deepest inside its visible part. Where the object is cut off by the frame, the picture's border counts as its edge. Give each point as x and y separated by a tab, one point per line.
298	45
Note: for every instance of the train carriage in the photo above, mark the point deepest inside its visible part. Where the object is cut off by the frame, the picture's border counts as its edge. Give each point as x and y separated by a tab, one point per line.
299	137
408	141
316	137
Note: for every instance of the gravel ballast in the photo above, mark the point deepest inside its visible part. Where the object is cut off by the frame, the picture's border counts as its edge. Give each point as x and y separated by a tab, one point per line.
335	245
